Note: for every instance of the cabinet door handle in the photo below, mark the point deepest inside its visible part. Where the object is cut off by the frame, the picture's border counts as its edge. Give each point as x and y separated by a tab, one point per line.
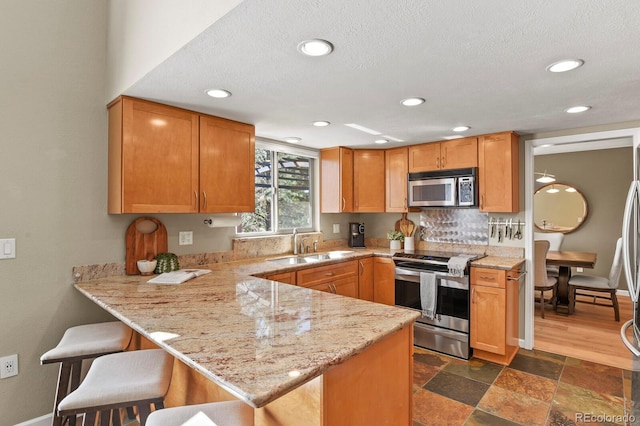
473	295
329	274
196	195
437	162
334	290
405	204
481	201
204	200
487	278
361	267
344	203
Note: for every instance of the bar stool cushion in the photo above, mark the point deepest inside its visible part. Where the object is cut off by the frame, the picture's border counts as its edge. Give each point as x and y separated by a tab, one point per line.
91	339
122	377
225	413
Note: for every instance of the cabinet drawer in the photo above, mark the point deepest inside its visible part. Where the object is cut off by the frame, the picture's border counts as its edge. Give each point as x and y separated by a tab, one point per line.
284	277
344	287
488	277
310	277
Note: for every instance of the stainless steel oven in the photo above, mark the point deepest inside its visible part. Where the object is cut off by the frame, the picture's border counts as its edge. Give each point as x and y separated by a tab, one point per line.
448	330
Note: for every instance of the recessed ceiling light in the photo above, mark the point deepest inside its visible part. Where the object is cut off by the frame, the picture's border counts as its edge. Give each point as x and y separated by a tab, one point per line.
315	47
381	141
461	128
577	109
292	139
363	129
565	65
218	93
412	101
321	123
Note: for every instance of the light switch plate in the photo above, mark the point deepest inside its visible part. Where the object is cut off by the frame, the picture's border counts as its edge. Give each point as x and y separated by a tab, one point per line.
185	238
8	248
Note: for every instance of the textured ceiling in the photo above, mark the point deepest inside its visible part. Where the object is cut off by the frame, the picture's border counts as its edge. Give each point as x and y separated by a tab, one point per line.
477	63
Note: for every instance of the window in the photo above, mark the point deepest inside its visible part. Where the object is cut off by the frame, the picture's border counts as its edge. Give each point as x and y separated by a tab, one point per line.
284	191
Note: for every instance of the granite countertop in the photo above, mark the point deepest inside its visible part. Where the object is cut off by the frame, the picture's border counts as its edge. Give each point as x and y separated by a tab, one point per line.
498	262
258	339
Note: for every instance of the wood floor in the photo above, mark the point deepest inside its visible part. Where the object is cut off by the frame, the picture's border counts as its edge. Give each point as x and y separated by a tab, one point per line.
590	334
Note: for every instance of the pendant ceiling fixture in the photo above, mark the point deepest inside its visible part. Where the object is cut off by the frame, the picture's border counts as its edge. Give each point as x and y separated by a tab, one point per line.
545	177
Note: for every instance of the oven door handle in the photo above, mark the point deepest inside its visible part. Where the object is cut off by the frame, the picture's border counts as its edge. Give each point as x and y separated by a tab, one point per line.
444	280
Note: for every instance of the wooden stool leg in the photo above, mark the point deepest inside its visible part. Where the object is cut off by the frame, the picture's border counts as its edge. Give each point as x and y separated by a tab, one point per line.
542	302
115	418
130	413
61	391
76	372
89	419
105	417
616	308
144	411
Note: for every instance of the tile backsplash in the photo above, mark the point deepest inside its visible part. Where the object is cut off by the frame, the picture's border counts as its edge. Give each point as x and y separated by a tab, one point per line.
455	226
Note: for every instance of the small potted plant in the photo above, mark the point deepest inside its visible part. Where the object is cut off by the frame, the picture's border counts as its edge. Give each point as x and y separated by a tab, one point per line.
395	239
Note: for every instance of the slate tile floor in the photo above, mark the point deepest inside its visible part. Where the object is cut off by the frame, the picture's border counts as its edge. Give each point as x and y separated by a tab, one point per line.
537	388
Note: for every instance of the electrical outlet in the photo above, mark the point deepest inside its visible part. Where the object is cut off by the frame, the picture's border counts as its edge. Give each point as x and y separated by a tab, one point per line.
185	238
580	269
8	366
336	228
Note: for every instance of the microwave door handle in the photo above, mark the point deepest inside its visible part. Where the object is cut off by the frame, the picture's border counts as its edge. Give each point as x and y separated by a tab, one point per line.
628	225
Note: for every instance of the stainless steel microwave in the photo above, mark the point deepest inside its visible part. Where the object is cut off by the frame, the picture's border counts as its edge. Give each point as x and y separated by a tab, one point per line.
444	188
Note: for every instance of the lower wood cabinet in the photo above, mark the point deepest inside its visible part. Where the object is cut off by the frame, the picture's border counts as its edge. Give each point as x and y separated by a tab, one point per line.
341	278
365	279
494	314
384	287
369	278
284	277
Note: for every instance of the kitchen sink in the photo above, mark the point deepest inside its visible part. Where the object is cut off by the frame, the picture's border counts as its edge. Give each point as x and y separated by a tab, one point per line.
319	256
290	260
297	260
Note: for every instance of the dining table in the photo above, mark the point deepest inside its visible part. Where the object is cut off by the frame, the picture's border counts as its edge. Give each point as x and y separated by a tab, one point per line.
566	260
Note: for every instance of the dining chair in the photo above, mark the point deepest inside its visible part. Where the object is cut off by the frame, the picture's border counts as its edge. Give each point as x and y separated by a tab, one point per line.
555	244
542	281
595	285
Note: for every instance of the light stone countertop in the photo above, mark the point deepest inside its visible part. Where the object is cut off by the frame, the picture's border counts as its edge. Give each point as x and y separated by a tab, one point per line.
258	339
498	262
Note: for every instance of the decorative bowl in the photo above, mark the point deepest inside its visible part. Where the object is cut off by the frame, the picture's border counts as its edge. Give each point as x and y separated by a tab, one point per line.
146	267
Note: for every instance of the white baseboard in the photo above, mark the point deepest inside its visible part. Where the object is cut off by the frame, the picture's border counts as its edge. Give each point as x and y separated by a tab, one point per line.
39	421
622	293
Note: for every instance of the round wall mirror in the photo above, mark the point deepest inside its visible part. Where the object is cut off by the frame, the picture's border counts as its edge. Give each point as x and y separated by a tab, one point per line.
558	207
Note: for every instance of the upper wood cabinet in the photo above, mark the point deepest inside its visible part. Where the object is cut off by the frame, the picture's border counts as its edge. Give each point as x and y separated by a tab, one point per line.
164	159
368	181
499	173
227	166
396	169
336	180
453	154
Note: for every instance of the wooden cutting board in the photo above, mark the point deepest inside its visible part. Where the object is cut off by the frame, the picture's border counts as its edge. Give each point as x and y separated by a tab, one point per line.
405	225
145	238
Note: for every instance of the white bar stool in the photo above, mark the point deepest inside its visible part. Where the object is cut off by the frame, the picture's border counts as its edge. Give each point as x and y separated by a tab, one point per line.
225	413
80	343
121	380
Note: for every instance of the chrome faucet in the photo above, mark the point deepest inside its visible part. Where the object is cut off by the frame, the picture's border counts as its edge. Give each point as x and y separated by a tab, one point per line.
295	240
304	248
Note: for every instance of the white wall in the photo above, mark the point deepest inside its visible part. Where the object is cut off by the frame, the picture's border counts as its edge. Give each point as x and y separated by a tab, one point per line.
142	34
53	185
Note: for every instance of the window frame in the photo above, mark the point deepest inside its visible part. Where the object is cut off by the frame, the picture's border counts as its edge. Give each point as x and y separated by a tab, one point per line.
276	147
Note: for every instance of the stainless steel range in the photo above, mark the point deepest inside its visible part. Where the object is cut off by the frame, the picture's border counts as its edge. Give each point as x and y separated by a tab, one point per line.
437	285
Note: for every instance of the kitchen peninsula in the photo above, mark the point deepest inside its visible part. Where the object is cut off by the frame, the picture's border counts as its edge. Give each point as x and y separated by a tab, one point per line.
299	356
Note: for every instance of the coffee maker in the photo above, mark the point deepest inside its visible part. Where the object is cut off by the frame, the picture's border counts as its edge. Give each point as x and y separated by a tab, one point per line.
356	235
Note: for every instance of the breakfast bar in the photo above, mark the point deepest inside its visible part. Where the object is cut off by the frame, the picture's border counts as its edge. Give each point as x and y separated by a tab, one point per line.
298	356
